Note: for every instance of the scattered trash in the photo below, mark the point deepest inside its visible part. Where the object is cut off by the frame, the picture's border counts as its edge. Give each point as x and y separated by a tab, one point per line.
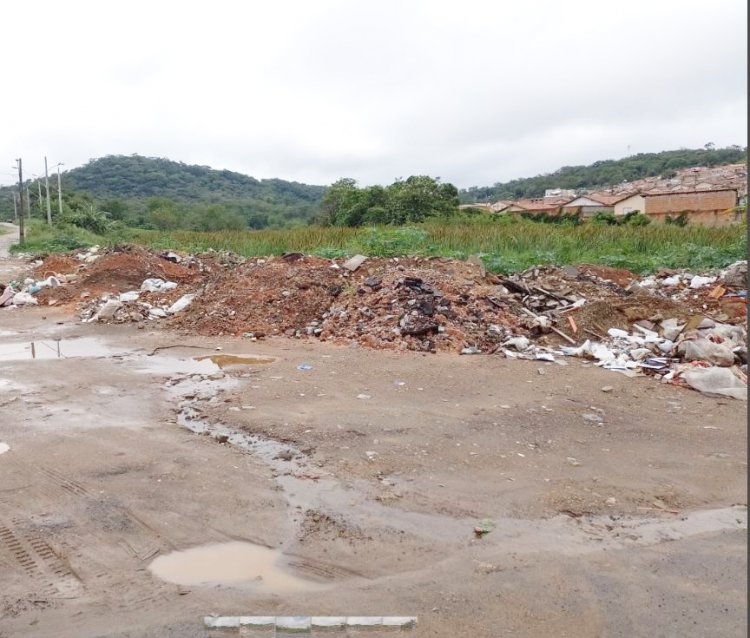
485	526
304	367
593	418
364	396
4	447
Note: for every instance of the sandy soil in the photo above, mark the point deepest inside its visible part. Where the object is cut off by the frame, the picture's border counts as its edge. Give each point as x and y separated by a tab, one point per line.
368	472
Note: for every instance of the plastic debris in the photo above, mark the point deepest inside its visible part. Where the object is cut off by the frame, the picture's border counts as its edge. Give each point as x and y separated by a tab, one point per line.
699	282
716	381
24	299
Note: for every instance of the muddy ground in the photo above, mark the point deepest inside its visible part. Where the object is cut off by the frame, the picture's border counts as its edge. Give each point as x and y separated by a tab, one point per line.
617	513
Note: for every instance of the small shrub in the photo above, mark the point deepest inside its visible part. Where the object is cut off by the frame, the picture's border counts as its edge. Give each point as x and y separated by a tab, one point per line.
605	219
87	217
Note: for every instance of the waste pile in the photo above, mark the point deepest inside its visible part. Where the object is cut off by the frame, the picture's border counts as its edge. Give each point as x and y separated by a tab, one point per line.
682	327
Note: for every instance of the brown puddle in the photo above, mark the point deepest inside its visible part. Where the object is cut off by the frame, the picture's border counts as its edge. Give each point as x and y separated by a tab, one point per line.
230	564
53	349
227	360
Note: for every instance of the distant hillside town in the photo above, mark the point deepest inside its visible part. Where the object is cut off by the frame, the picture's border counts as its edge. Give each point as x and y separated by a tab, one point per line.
712	196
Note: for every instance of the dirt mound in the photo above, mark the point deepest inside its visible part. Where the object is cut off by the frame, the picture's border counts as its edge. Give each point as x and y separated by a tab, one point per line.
619	276
264	297
57	265
126	268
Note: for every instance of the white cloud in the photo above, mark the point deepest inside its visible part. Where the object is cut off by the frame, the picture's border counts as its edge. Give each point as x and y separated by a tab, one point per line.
475	92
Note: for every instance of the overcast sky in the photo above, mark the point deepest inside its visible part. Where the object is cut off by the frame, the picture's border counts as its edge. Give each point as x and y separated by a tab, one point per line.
471	91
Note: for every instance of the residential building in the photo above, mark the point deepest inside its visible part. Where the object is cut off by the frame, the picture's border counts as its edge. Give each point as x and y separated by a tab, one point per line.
705	208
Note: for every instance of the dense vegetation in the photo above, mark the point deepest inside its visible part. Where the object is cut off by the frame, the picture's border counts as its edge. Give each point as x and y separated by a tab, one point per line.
506	244
412	200
606	172
161	194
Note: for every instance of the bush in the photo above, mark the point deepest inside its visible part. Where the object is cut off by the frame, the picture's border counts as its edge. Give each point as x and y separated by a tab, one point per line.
681	220
87	217
605	219
636	218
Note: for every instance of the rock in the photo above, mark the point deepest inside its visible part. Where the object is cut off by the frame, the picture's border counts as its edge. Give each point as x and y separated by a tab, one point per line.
471	350
607	388
736	275
591	417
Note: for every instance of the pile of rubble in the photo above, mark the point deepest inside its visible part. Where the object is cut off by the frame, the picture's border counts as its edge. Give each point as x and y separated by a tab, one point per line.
685	328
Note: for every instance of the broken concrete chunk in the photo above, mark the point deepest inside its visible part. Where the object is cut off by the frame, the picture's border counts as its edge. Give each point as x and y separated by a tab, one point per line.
354	263
107	311
180	305
671	329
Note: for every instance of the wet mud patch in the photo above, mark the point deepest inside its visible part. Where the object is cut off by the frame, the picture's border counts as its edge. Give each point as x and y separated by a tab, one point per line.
233	563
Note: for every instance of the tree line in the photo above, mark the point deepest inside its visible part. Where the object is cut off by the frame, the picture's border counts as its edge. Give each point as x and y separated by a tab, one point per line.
414	199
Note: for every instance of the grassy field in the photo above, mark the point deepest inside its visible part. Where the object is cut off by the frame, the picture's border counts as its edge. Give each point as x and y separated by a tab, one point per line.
504	245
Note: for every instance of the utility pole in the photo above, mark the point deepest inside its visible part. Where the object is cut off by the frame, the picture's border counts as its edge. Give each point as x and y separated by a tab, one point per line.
15	208
20	195
46	185
59	190
39	184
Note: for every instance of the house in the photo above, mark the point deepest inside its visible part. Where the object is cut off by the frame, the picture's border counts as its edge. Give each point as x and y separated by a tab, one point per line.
500	206
705	208
560	193
632	203
536	206
588	205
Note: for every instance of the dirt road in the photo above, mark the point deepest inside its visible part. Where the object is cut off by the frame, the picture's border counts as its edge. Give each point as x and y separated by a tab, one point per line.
617	513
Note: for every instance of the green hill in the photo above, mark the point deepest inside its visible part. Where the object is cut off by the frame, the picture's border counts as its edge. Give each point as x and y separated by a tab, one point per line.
605	172
156	192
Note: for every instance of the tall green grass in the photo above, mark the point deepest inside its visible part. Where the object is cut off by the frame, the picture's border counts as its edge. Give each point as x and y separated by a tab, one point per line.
505	246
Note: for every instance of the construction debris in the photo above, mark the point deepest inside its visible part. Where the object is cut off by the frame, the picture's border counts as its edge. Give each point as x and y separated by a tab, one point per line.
653	326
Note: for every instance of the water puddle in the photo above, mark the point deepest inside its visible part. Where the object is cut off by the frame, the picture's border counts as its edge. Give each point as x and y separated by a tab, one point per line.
229	360
54	349
230	564
207	364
